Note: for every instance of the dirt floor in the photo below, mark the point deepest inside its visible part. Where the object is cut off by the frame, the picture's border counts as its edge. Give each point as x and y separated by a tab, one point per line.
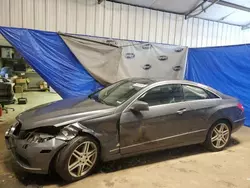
188	167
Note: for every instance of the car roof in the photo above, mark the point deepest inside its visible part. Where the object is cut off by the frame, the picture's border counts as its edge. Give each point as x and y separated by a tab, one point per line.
160	81
174	81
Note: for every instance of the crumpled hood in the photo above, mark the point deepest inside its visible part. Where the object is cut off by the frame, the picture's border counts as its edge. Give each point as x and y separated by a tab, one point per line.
60	112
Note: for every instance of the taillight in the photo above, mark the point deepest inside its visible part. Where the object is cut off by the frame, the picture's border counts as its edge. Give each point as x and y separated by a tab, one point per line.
240	106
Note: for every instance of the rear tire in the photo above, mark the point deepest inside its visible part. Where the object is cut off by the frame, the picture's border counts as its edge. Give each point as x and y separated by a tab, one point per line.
218	136
78	159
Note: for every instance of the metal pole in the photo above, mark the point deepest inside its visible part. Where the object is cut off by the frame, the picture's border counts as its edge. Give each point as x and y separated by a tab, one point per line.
232	5
195	8
203	10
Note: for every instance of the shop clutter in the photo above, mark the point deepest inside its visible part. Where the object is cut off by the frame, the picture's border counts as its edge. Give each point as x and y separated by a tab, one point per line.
21	85
43	85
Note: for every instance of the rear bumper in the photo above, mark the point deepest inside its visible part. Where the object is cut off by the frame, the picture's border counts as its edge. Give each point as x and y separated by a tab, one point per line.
237	124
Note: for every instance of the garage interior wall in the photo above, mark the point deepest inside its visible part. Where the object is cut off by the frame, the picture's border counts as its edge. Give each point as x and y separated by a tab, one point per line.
119	21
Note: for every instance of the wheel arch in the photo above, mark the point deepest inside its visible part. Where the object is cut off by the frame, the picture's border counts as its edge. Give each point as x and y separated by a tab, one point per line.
53	160
219	115
228	121
81	133
55	156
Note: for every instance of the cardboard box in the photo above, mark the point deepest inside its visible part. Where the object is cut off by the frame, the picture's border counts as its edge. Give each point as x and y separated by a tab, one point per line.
18	89
21	81
25	86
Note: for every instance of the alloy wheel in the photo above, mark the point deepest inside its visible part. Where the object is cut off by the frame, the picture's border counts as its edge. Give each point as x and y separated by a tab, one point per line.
220	135
82	159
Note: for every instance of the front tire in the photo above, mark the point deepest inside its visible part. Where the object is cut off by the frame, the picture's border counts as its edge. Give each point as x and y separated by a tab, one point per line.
78	159
218	136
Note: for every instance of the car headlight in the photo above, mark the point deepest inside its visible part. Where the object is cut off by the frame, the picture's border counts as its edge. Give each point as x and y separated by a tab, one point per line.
67	133
44	134
39	137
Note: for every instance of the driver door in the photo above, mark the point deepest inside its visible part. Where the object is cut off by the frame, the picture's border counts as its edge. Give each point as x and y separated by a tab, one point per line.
164	124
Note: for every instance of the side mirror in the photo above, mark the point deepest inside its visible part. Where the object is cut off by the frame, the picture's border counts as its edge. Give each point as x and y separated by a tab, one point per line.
139	106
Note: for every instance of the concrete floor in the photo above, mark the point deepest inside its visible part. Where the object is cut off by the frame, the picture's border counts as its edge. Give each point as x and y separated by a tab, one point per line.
188	167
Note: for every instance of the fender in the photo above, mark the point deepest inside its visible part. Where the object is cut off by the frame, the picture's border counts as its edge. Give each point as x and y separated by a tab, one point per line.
217	116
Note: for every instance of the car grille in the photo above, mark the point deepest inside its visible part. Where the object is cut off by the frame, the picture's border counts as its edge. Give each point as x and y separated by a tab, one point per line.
24	135
18	127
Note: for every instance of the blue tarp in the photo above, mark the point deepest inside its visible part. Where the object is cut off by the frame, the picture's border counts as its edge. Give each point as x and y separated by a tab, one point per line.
226	69
51	58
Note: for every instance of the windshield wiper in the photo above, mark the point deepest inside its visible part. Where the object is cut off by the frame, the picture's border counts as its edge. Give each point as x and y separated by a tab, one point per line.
102	101
96	99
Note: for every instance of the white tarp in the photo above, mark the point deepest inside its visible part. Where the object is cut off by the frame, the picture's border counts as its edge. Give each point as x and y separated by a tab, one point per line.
111	60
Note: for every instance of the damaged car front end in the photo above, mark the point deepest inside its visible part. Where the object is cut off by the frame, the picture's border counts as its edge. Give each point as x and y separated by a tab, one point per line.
70	136
34	149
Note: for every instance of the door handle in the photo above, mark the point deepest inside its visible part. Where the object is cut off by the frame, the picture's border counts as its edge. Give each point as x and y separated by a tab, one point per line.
181	111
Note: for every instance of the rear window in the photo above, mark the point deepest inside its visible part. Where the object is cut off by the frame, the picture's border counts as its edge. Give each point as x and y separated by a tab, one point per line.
211	95
196	93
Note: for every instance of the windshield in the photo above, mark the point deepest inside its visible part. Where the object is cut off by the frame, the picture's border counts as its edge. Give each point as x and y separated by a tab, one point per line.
119	92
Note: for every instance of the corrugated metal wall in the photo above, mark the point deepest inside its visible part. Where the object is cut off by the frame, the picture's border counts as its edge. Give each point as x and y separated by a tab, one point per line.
118	21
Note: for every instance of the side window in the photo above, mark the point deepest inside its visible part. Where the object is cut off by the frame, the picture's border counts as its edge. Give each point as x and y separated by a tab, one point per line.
163	95
194	93
211	95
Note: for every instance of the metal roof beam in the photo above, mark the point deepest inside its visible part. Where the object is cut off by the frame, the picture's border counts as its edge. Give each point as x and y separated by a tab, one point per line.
247	26
235	6
195	8
162	10
232	5
219	21
189	15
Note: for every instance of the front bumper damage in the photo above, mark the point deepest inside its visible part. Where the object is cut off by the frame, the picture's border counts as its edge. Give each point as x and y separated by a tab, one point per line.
32	157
